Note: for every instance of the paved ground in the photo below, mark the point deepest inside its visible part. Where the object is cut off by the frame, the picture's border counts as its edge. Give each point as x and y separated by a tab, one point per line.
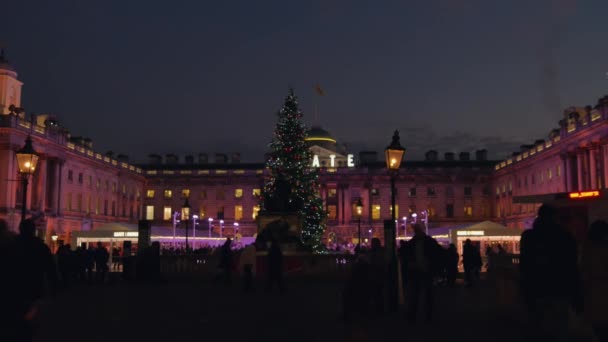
195	310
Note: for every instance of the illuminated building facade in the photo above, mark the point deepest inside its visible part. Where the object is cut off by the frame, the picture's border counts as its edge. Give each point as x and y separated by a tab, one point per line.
573	158
78	189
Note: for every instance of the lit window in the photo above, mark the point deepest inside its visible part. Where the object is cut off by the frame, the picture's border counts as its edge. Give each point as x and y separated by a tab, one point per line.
238	193
468	211
98	183
331	192
124	189
375	212
431	211
238	212
167	213
185	213
150	212
331	212
149	193
412	209
185	193
202	211
559	171
257	192
256	210
396	210
168	194
98	207
550	173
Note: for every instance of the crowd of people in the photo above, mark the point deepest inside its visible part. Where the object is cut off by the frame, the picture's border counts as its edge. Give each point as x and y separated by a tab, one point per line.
561	281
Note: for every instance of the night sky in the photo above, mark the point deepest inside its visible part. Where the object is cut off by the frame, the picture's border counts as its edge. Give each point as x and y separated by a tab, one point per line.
142	77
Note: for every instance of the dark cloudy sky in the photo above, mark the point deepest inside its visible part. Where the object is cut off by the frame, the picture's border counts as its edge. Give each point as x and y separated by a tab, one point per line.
151	76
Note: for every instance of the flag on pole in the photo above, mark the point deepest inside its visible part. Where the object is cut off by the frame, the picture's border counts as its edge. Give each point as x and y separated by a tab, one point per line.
319	91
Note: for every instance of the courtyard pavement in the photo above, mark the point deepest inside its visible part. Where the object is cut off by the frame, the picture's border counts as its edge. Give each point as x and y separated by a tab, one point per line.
186	309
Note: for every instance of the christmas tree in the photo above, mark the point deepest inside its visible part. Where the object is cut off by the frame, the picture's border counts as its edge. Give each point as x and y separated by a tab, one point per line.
290	167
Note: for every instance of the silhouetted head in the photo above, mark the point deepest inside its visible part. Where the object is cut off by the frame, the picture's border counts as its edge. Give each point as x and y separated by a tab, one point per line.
27	228
547	216
598	231
418	229
99	244
376	243
452	247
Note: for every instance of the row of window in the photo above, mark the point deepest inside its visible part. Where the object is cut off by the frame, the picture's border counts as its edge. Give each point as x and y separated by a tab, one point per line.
219	194
97	206
431	191
540	177
168	212
89	183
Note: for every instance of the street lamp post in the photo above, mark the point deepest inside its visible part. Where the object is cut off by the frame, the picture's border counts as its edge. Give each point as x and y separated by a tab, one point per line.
27	158
394	154
186	218
210	220
359	207
221	227
426	221
194	223
175	222
404	226
236	230
54	238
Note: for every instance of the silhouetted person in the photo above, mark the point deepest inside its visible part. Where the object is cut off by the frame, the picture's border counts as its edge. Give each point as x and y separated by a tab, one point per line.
377	272
471	260
80	263
89	263
101	262
549	272
452	259
424	259
64	263
226	262
25	279
275	266
594	268
153	261
402	252
248	262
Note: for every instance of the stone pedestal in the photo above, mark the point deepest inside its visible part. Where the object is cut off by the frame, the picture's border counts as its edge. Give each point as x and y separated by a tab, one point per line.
285	227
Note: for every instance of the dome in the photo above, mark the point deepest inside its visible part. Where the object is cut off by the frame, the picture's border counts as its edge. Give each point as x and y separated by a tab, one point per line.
318	134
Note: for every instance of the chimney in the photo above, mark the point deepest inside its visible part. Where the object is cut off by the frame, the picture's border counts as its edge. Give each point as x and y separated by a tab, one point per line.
449	156
189	159
221	158
235	158
515	154
524	148
123	158
539	142
155	159
171	159
481	154
431	155
202	158
464	156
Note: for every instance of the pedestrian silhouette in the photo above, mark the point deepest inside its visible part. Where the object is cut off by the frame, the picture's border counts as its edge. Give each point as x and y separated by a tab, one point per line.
226	263
549	274
452	265
275	266
378	266
101	262
424	258
31	268
471	260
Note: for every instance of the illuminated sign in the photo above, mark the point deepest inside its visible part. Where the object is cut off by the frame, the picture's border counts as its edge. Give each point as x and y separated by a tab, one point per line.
350	160
126	234
584	194
470	233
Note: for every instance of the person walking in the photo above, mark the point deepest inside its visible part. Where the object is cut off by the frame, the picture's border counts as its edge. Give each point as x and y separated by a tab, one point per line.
101	262
469	261
424	258
275	266
549	275
452	265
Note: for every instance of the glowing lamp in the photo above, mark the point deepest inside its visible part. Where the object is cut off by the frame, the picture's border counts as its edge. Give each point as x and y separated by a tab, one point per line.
27	158
54	238
359	207
394	153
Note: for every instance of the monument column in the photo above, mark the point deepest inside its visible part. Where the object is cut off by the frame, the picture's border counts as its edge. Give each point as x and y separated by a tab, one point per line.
593	166
40	189
579	170
567	172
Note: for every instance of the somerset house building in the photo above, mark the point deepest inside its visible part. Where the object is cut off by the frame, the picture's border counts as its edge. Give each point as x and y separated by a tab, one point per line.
74	189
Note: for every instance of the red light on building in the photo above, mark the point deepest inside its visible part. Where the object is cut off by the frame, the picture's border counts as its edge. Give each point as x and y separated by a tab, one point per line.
584	194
